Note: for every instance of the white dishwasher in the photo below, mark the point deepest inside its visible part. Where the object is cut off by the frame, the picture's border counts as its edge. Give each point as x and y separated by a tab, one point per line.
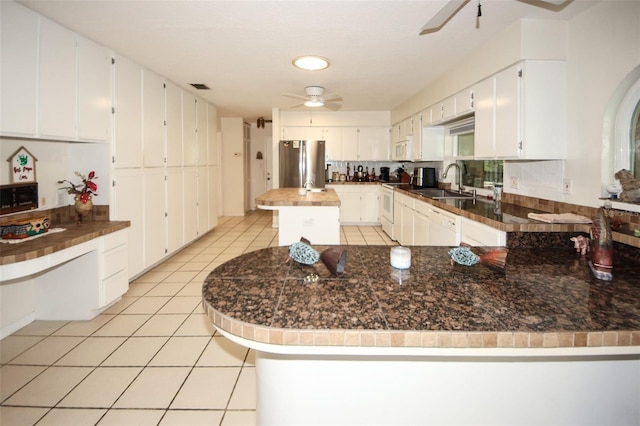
443	228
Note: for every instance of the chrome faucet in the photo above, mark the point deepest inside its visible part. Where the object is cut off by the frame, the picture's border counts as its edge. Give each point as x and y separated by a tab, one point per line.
444	175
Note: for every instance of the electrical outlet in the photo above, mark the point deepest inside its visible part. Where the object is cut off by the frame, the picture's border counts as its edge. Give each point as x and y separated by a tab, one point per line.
515	182
567	186
43	202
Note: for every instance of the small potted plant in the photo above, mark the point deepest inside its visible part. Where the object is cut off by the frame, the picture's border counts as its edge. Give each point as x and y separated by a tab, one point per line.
82	192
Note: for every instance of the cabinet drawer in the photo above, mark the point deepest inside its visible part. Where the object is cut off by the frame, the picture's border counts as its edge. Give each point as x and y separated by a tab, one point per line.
114	287
113	240
114	261
422	207
474	233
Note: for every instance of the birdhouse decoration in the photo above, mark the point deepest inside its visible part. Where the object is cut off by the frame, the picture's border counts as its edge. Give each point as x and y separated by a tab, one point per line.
23	166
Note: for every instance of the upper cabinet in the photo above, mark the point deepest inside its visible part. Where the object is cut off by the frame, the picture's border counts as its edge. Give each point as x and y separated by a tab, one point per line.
55	84
153	119
189	126
94	91
201	132
465	102
127	148
370	143
19	62
57	76
521	112
373	144
173	99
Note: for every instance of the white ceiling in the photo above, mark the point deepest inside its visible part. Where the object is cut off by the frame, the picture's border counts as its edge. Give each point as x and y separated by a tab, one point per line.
243	49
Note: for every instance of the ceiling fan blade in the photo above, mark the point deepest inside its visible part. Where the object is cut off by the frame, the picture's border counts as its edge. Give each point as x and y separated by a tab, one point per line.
294	96
442	16
552	5
332	106
332	97
297	106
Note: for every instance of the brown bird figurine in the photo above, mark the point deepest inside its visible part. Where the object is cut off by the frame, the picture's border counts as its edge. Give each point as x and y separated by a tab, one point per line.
601	249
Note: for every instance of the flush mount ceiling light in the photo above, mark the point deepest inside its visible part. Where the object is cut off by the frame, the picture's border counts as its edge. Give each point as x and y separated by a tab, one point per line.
314	103
311	63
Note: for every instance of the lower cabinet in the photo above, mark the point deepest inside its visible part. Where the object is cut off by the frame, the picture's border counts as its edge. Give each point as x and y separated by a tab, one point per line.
478	234
113	265
359	204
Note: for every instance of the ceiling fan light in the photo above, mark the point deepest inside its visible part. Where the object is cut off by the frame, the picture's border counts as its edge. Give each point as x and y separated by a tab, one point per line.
311	63
313	103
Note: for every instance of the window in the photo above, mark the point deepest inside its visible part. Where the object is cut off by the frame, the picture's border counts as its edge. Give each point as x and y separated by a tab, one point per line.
481	174
634	141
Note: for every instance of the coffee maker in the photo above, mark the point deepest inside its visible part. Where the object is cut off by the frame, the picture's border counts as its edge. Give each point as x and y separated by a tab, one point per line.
384	174
424	177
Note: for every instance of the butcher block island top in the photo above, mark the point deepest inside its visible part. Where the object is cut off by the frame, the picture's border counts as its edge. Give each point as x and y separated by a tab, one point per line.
544	298
285	197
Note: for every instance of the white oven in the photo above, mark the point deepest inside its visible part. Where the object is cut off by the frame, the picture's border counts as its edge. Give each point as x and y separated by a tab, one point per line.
386	209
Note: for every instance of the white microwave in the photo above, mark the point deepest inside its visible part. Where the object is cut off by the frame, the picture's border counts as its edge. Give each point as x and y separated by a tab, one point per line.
402	150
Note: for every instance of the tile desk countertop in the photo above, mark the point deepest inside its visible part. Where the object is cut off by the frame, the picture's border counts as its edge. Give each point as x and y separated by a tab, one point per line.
75	233
543	299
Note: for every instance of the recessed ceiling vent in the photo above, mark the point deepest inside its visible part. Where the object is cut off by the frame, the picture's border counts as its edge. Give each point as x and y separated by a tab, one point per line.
200	86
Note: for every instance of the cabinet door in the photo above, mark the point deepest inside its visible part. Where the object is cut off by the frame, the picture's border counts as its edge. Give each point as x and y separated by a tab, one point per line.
19	67
213	196
94	91
190	200
449	108
301	133
128	114
153	104
397	217
129	205
57	95
333	143
507	113
416	148
433	143
203	200
201	132
175	214
369	205
349	203
212	134
373	144
349	144
189	138
173	96
155	226
465	102
407	222
484	137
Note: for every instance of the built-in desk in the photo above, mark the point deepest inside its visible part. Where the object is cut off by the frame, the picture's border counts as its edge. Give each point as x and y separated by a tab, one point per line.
69	275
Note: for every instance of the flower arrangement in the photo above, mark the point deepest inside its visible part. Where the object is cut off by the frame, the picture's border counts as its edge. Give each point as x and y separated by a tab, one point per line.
84	190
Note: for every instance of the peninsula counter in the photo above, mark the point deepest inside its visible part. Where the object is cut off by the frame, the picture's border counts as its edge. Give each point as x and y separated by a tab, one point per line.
314	215
541	342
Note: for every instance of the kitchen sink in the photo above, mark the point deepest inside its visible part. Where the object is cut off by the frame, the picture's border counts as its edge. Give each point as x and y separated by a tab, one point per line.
438	194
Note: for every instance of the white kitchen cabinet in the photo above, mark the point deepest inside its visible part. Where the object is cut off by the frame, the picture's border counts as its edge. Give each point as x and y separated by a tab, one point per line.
127	148
201	132
465	102
212	176
212	135
19	68
190	203
173	96
406	217
350	149
155	220
484	136
128	204
373	144
113	267
444	110
433	143
358	203
421	224
153	120
397	216
94	92
529	113
416	133
203	200
189	135
369	204
478	234
175	214
57	93
302	133
332	137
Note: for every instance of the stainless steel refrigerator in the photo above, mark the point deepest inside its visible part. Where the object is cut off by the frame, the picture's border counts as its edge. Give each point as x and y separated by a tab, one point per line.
302	164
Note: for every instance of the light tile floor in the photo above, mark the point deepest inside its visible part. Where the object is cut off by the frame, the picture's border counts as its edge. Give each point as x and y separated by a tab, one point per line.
153	358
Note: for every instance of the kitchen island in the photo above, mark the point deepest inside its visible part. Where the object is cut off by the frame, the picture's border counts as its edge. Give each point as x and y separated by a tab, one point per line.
314	215
541	342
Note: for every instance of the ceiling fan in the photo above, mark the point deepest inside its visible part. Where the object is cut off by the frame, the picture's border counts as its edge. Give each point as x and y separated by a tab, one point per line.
314	97
452	7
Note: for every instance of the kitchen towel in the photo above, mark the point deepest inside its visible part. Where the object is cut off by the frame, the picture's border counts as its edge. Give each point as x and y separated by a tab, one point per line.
559	217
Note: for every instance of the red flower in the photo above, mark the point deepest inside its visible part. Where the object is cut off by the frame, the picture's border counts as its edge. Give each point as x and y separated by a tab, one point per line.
83	193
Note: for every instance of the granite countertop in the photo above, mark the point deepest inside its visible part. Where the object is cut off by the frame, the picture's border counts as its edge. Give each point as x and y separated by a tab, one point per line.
75	233
542	299
287	197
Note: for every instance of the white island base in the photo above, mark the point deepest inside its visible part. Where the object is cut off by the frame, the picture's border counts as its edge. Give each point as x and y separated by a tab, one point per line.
319	225
447	390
